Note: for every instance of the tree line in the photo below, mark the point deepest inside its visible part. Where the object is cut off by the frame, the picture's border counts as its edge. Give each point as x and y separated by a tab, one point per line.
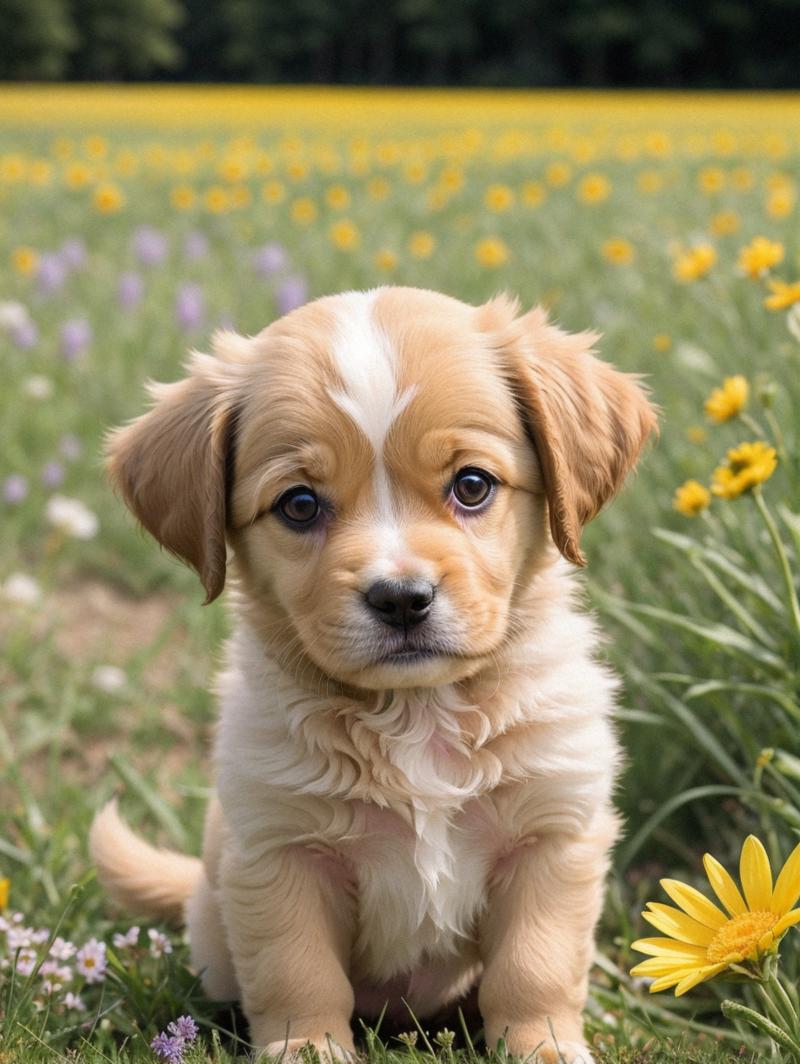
659	43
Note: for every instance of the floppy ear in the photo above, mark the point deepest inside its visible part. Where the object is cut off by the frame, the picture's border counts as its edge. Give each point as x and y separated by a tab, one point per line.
588	421
171	467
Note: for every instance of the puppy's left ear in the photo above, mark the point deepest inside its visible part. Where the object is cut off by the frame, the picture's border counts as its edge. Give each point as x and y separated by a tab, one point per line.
587	420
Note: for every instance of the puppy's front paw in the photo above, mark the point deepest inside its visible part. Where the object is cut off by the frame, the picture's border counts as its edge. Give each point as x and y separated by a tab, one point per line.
290	1050
564	1053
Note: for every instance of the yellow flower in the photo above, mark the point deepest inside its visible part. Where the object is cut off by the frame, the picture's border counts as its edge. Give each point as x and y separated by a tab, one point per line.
303	211
415	172
618	251
691	498
5	886
703	939
759	256
41	172
216	200
498	198
25	260
452	179
344	235
337	197
594	188
297	170
77	175
746	466
232	170
421	245
725	402
694	263
378	188
273	192
385	259
711	179
558	174
696	434
108	199
96	147
491	252
532	194
662	342
783	295
182	197
780	202
725	223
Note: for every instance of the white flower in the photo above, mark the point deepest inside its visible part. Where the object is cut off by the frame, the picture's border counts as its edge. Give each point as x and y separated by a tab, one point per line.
38	387
62	950
21	589
74	1001
54	976
26	961
90	961
130	938
72	517
18	937
39	936
110	679
159	943
13	316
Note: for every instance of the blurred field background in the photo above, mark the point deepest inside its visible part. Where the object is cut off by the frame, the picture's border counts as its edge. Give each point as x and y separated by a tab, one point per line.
136	220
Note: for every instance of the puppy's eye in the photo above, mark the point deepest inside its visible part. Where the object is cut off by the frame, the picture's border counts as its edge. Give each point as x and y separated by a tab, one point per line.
473	487
298	507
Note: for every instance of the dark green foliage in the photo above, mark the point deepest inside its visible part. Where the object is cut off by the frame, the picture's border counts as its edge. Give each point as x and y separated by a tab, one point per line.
36	37
126	39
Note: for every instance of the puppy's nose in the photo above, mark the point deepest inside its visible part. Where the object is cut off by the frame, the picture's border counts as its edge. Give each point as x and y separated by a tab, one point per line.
401	603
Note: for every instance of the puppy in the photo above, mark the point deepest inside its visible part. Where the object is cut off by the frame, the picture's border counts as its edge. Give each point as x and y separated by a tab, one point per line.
414	759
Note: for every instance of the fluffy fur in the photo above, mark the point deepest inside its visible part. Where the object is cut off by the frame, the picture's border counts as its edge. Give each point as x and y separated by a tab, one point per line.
389	826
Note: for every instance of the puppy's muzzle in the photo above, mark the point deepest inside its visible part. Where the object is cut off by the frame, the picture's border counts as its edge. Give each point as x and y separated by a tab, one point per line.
401	603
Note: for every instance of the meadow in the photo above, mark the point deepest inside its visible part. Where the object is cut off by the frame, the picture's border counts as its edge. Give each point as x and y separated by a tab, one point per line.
136	221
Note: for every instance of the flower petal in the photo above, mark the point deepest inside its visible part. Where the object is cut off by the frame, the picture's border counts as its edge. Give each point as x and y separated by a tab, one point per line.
786	922
678	925
668	981
700	976
657	967
668	947
695	904
723	886
787	887
756	875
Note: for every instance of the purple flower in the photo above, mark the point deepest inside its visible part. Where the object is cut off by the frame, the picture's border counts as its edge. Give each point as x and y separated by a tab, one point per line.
52	273
168	1049
70	447
76	337
291	293
130	290
25	335
73	253
195	246
149	245
270	259
15	489
184	1027
190	306
52	475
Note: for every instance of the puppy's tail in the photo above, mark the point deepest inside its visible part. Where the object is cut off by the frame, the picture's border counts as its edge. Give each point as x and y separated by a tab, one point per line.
140	877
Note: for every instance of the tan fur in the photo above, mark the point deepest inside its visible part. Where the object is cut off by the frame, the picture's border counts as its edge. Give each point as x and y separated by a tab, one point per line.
384	831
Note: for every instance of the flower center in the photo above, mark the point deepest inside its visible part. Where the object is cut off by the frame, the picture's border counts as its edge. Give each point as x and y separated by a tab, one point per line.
739	937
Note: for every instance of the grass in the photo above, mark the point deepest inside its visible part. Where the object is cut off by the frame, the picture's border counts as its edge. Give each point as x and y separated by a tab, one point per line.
697	612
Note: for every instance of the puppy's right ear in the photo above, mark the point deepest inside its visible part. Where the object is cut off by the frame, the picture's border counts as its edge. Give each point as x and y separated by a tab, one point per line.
171	466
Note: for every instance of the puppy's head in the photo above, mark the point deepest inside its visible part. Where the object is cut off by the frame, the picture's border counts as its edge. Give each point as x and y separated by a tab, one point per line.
390	469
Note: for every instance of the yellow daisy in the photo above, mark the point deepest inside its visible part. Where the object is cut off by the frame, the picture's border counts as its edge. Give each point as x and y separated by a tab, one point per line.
783	295
746	465
703	940
691	498
727	401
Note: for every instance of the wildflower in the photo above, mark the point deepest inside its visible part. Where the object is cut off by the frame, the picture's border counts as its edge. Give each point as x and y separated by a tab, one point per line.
696	434
594	188
270	259
711	179
216	200
303	211
491	252
662	342
54	975
26	961
15	489
73	253
558	174
498	198
190	306
759	256
532	193
195	246
291	293
26	335
24	260
5	884
703	941
108	678
421	244
780	202
184	1027
727	401
149	245
168	1049
344	235
20	590
273	192
337	197
182	197
691	498
71	516
52	475
129	939
90	961
747	465
378	189
130	289
160	945
618	251
76	338
385	259
694	263
13	316
70	447
725	222
74	1002
108	198
783	295
50	274
62	950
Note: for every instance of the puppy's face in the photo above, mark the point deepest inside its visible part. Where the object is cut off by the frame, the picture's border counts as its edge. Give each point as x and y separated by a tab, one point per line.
384	465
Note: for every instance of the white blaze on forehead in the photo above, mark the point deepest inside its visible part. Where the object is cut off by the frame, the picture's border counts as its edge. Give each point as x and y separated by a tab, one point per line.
365	360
